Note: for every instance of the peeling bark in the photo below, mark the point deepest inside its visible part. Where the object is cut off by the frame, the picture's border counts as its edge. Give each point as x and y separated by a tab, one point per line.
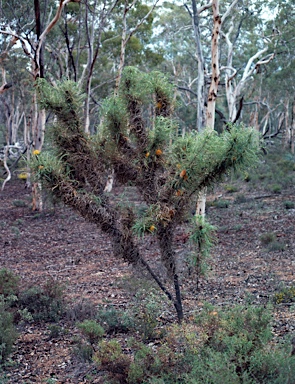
210	118
210	115
201	84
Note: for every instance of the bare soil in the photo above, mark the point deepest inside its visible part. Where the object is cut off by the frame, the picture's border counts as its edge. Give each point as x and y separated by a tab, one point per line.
57	244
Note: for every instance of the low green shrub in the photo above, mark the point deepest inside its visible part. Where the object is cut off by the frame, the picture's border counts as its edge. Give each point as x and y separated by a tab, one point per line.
8	333
231	188
83	351
91	330
289	204
18	222
8	282
228	346
236	348
275	188
286	295
110	358
276	246
147	307
15	231
240	199
3	377
267	238
222	203
230	328
44	303
3	224
147	363
114	320
19	203
55	331
82	310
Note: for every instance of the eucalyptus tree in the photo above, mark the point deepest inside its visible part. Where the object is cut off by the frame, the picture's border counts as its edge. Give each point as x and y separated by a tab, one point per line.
92	42
248	47
96	18
31	35
278	91
173	37
126	27
15	112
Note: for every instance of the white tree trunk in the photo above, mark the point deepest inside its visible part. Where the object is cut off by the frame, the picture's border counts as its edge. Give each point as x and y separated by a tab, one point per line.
210	116
212	96
201	109
287	125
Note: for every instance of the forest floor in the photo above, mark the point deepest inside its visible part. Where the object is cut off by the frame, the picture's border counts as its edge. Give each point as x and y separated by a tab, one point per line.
57	244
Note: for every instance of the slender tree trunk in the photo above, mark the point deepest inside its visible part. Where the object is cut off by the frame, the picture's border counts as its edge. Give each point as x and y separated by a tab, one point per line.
230	74
123	48
201	85
90	40
178	301
27	141
38	125
165	237
92	58
210	115
126	37
38	131
292	135
210	118
287	124
12	135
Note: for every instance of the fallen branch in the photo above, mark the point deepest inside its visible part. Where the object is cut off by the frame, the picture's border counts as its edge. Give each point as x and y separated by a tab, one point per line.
8	177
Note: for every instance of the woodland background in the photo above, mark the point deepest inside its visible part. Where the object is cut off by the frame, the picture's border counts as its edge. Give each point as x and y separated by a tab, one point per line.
91	42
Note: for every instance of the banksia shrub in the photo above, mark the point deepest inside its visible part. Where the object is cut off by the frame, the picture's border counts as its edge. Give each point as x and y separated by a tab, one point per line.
145	152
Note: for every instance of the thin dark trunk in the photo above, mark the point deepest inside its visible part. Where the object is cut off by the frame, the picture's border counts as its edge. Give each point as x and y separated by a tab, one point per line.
293	128
70	50
40	64
178	301
165	236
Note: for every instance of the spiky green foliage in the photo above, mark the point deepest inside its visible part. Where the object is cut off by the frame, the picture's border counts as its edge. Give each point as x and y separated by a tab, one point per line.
83	161
202	238
8	333
144	150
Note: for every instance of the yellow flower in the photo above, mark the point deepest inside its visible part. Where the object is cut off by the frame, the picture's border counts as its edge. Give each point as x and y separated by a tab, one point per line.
159	105
36	152
213	313
41	166
158	152
152	228
147	154
23	176
183	174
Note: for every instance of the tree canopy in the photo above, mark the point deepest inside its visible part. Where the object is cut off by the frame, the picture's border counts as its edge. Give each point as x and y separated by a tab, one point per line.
86	46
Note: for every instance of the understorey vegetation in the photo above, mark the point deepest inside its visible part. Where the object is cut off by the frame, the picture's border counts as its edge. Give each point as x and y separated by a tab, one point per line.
233	344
